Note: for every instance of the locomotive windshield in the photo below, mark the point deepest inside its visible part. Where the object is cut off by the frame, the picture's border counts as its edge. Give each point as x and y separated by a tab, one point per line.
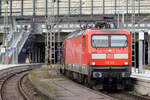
114	41
118	41
100	41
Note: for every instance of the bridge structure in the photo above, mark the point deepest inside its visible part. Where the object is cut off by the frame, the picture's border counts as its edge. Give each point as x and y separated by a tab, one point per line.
77	10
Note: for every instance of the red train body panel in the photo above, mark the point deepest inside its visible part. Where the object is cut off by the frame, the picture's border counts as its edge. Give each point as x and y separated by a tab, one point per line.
98	54
75	53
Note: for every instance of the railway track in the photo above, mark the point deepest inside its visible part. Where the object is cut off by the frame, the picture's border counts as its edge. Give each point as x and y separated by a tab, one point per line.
11	87
11	84
127	96
118	95
21	89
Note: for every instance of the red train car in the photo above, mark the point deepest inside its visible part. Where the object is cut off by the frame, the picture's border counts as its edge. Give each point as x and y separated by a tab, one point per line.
95	56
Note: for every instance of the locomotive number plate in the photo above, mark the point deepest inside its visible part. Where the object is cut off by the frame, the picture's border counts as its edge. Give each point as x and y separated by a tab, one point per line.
110	56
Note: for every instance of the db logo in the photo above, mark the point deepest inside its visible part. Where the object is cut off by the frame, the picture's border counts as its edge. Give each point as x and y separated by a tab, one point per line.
110	62
110	56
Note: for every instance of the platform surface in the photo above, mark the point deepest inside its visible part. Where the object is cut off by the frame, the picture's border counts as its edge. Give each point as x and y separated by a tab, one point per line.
56	86
145	75
5	66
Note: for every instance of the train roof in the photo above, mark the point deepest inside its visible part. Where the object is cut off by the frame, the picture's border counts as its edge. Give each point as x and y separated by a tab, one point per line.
111	31
86	31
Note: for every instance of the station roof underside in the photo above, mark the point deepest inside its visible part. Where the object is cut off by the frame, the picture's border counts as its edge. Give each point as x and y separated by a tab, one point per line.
27	11
75	7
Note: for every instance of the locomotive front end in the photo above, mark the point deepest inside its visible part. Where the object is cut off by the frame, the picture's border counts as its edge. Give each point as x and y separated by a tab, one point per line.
111	54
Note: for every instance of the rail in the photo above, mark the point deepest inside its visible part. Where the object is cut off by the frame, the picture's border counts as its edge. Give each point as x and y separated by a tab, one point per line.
5	74
121	95
9	77
21	90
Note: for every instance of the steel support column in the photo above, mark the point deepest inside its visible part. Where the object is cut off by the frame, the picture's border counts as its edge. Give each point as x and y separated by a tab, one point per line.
46	8
103	6
34	6
69	7
11	13
139	5
148	50
10	7
115	6
92	7
57	7
80	7
127	6
6	31
0	7
22	7
12	26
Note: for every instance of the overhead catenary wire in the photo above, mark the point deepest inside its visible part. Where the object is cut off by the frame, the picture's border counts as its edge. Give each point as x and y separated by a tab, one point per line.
50	36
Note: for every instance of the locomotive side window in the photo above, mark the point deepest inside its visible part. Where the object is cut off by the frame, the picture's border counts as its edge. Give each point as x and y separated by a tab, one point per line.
119	41
83	41
100	41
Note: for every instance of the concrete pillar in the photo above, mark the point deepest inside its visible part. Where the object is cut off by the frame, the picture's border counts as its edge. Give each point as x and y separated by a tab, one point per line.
149	51
33	60
16	59
141	39
36	54
140	56
33	54
39	54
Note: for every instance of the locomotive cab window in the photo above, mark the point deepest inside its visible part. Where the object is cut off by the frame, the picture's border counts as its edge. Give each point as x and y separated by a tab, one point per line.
119	41
100	41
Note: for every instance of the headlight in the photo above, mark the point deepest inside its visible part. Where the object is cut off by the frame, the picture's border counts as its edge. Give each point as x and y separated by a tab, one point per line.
93	63
123	74
109	50
125	63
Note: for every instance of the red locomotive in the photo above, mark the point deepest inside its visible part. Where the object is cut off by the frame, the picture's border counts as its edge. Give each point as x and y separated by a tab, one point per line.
100	57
